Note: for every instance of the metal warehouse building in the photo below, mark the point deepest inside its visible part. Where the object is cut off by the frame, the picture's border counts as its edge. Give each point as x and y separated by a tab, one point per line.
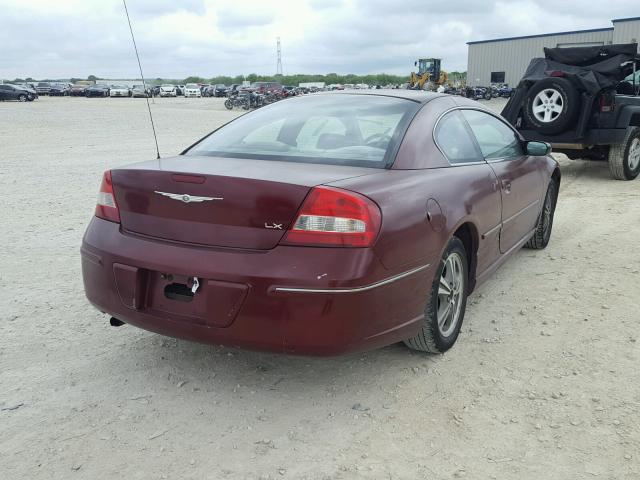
504	60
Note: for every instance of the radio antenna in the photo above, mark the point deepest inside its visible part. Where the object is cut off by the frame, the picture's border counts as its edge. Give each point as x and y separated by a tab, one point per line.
144	84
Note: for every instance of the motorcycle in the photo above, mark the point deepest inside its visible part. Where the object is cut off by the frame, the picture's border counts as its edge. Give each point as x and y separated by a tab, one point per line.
236	99
254	100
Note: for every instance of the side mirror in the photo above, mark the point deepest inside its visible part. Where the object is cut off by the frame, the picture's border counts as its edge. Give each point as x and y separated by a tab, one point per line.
538	149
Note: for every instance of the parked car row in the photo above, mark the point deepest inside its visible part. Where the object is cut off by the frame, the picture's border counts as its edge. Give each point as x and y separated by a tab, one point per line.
270	91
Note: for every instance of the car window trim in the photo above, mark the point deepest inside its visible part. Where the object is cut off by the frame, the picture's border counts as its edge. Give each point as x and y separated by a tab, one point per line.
500	119
469	131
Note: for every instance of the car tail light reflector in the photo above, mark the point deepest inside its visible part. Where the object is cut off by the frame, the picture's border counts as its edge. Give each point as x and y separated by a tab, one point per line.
607	103
107	208
333	217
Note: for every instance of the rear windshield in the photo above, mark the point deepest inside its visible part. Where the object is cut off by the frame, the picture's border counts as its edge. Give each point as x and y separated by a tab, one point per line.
356	130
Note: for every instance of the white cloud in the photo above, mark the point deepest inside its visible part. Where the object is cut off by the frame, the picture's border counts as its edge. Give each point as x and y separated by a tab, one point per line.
177	38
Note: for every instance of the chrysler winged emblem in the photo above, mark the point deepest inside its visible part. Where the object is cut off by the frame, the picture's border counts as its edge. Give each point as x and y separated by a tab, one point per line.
186	198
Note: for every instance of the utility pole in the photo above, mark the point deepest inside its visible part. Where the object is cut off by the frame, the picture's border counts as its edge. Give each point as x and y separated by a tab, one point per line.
279	64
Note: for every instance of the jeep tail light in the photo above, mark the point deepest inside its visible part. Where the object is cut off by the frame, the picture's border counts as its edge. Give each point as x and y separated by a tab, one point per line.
333	217
107	208
607	103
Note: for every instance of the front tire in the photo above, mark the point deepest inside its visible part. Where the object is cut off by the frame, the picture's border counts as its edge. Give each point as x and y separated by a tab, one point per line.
541	236
446	304
22	98
624	159
228	104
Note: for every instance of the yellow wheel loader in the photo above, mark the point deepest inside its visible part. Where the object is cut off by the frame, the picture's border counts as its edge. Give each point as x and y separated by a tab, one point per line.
429	75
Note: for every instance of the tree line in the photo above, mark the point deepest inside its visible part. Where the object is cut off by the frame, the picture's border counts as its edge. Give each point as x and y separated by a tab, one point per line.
329	79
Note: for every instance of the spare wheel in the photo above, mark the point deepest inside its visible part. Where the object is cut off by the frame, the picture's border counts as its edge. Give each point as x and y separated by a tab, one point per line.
552	105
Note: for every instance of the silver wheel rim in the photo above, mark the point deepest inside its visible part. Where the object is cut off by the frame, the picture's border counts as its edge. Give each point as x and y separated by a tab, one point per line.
634	154
547	216
450	293
547	105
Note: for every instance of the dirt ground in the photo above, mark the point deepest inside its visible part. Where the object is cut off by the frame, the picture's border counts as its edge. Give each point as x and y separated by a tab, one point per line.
544	382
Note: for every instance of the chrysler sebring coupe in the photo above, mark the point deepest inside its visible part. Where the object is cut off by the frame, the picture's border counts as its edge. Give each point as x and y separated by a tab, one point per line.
320	225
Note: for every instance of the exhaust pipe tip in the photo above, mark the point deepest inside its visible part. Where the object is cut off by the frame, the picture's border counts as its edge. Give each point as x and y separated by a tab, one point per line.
115	322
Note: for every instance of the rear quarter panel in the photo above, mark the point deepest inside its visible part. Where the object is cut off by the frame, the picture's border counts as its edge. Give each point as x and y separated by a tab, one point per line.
408	237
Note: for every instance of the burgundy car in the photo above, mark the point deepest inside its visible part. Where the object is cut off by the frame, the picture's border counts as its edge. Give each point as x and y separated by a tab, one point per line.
321	224
265	87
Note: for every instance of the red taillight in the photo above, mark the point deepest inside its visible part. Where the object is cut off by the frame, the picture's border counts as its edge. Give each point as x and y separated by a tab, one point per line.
107	208
335	218
607	103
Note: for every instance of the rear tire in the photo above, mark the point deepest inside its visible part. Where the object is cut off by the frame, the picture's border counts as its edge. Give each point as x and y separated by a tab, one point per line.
552	105
446	304
228	104
624	159
541	236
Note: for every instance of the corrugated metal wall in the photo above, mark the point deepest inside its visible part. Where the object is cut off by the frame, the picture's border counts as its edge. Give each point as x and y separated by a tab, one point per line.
513	56
626	31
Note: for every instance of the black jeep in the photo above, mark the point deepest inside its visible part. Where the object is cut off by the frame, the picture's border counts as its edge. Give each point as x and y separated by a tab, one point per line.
585	101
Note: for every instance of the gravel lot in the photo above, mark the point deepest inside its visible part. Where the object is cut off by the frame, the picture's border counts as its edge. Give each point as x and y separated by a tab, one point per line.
543	383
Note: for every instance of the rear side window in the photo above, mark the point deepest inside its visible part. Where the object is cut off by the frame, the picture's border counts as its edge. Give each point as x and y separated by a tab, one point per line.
496	139
455	141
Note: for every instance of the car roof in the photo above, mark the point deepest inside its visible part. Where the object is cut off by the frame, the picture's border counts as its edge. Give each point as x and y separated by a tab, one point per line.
419	96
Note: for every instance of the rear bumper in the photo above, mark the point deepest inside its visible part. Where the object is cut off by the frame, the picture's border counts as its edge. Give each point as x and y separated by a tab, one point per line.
596	136
316	301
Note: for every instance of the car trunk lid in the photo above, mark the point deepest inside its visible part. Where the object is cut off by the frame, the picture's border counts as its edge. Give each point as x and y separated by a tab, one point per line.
221	202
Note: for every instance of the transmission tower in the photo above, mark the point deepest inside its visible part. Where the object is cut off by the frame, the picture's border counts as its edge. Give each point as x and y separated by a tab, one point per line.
279	64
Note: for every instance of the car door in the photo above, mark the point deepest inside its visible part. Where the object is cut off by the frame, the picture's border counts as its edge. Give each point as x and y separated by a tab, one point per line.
480	193
518	175
4	92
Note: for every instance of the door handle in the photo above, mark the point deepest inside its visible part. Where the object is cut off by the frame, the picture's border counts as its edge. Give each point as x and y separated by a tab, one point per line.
506	186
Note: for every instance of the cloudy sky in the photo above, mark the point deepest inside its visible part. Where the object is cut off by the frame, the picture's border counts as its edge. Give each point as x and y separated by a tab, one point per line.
177	38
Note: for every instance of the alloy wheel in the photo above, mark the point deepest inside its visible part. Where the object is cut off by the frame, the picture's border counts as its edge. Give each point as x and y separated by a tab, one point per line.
547	216
450	294
547	105
634	154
